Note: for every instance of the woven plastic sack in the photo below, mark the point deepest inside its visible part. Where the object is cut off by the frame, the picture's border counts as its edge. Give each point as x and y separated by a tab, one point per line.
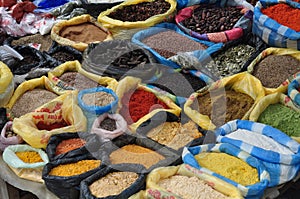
275	51
63	109
281	167
271	32
241	27
6	84
7	141
183	59
242	82
29	171
251	191
294	90
273	99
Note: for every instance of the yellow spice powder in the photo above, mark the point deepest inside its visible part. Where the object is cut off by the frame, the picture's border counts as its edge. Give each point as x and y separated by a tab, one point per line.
76	168
229	166
29	156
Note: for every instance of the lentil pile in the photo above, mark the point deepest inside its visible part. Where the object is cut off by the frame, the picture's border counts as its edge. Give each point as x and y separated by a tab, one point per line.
112	184
108	124
44	40
189	187
24	104
140	11
275	69
135	154
229	166
222	107
69	145
77	168
282	118
78	80
98	98
172	42
29	156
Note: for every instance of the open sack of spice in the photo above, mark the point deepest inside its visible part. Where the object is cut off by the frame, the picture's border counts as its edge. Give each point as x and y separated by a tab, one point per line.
227	99
6	84
277	23
275	68
184	181
79	31
8	137
294	90
216	21
232	165
172	47
95	7
25	161
60	115
278	111
137	102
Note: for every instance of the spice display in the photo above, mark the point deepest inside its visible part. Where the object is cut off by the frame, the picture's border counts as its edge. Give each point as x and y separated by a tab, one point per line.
209	18
139	104
174	134
63	56
131	59
29	156
45	41
172	42
189	187
140	11
229	166
135	154
69	145
284	15
25	103
77	168
108	124
259	140
282	118
275	69
85	32
230	61
223	106
112	184
48	127
98	99
78	80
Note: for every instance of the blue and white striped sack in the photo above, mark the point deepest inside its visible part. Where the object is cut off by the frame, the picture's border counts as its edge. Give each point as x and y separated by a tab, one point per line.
251	191
293	90
282	167
270	31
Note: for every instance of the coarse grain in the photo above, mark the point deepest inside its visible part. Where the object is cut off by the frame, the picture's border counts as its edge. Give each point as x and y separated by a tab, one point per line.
31	100
135	154
68	145
98	98
228	166
63	56
29	156
275	69
77	80
113	184
108	124
190	187
44	40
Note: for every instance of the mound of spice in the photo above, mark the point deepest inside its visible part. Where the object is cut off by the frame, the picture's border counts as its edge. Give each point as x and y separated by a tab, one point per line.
45	41
85	32
63	56
108	124
138	104
98	98
31	100
29	156
140	11
48	127
174	134
135	154
69	145
284	15
229	166
168	43
282	118
223	106
113	184
275	69
77	168
78	80
189	187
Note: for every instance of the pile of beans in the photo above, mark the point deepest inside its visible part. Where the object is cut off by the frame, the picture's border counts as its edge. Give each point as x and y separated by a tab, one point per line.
108	124
69	145
63	56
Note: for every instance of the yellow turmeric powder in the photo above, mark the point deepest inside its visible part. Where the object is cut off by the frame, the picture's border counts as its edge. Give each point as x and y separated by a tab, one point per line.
29	156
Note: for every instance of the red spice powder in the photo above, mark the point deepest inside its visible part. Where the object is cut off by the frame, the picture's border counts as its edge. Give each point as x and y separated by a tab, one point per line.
284	14
69	145
139	104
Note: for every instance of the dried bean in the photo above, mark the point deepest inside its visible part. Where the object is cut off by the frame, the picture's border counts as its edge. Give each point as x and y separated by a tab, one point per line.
108	124
63	56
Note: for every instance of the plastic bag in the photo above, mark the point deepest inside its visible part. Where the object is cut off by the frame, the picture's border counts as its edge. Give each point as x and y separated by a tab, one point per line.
58	116
274	51
6	84
182	59
68	54
55	32
251	191
241	27
7	141
85	192
29	171
131	83
293	90
242	82
49	4
271	32
121	126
